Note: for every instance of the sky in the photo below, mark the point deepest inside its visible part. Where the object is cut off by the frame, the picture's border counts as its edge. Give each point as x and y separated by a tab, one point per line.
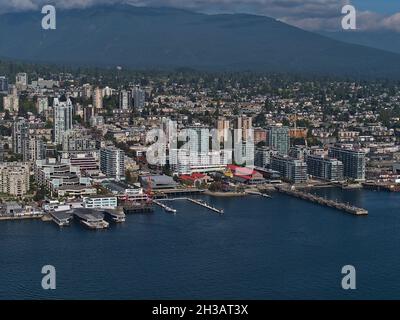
314	15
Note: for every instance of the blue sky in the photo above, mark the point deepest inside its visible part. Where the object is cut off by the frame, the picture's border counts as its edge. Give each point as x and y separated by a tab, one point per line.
380	6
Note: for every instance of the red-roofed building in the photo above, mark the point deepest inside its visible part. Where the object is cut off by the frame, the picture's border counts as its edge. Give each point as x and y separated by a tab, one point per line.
194	178
244	174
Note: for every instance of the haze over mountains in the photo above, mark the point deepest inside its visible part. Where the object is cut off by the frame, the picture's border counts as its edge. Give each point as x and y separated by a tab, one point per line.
170	38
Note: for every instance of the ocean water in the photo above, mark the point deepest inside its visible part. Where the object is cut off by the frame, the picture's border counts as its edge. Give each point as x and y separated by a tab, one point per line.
279	248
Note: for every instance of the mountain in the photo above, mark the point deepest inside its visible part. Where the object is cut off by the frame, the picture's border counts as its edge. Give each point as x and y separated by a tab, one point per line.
139	37
383	40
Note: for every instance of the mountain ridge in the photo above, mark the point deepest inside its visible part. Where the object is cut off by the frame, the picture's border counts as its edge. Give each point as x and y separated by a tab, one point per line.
159	38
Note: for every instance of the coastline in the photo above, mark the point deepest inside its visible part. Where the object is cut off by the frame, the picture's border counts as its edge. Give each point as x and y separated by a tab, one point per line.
225	194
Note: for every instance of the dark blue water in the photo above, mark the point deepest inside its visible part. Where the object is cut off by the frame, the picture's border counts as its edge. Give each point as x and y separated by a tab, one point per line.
280	248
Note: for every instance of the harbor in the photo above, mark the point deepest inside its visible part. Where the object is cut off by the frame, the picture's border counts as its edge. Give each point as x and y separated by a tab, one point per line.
346	207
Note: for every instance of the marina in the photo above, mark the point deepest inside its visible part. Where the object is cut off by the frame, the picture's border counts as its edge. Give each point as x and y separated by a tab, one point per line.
323	201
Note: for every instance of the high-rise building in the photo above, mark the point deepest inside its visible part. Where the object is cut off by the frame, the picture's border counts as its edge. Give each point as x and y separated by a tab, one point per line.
33	149
223	127
112	163
138	96
125	100
292	170
3	84
14	178
42	105
11	101
245	124
325	168
278	139
97	98
87	91
20	135
353	162
21	81
62	119
262	157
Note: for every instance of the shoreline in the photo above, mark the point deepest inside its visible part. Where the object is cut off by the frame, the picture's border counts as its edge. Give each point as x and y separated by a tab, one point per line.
225	194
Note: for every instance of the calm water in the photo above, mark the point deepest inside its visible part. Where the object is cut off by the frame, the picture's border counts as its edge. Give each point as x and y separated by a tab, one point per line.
280	248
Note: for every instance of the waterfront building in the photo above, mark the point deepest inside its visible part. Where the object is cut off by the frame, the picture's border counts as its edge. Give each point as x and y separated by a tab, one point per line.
325	168
299	152
354	161
14	178
100	202
157	182
183	161
112	163
278	139
263	155
292	170
62	119
54	175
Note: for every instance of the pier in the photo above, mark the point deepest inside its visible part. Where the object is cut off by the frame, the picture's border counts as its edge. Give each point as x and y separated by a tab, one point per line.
91	219
257	193
165	207
325	202
205	205
62	219
137	208
114	216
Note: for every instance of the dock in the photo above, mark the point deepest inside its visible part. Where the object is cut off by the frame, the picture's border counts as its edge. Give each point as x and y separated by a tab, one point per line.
62	219
325	202
205	205
165	207
137	208
114	216
91	219
257	193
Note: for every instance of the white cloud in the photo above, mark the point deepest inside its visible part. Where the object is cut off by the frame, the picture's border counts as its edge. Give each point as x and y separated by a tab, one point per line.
307	14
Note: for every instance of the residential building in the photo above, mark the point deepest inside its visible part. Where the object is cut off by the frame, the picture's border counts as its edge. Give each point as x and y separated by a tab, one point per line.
325	168
354	161
112	163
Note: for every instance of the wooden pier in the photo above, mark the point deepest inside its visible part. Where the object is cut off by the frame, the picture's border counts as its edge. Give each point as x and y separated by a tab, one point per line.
325	202
165	207
205	205
198	202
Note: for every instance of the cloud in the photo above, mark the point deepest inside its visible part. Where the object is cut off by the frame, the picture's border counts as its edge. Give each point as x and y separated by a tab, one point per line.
306	14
